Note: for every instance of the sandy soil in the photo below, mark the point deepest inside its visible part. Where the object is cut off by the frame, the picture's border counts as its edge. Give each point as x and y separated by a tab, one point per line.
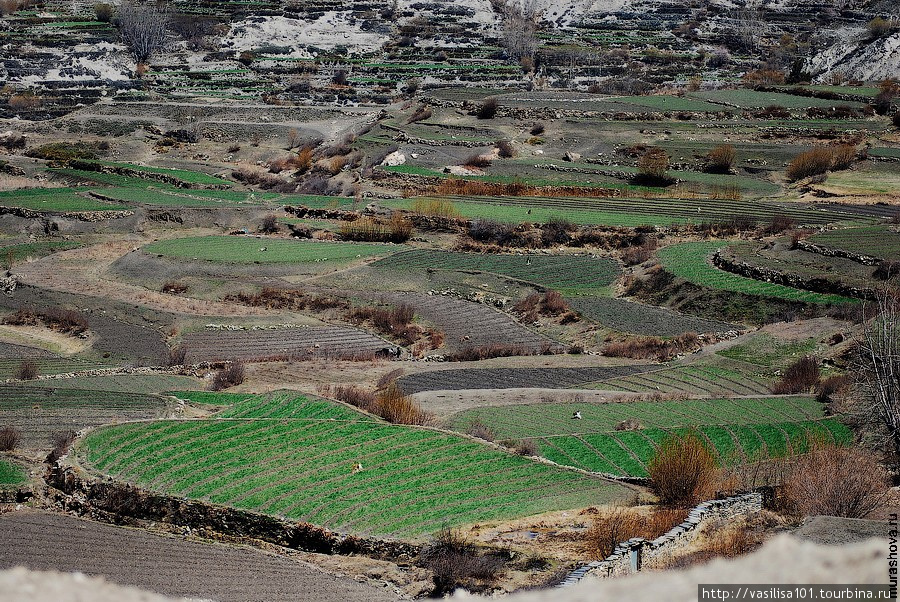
81	271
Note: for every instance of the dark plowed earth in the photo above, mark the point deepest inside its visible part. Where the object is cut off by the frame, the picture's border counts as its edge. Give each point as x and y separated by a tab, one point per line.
512	378
468	324
172	567
116	336
290	343
12	351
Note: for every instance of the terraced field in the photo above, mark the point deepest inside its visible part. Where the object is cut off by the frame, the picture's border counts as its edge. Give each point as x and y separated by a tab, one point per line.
33	250
247	250
626	453
512	378
691	262
288	405
469	324
183	175
570	274
126	383
55	200
627	212
39	412
552	419
11	474
51	365
168	565
293	343
876	241
637	318
413	482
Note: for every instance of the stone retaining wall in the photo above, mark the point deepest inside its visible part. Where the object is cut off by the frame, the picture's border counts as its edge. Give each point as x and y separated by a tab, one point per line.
630	556
830	252
72	491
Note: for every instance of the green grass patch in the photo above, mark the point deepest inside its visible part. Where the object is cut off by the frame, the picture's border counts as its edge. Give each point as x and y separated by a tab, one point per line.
11	474
690	261
56	200
240	249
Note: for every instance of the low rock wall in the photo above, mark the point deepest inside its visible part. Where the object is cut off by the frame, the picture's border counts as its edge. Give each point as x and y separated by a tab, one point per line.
630	556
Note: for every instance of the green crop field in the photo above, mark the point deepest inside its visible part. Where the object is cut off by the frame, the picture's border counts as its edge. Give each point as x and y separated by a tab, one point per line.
877	241
551	419
241	249
414	481
184	175
753	99
767	351
637	318
57	200
691	262
11	474
571	274
626	453
618	211
34	250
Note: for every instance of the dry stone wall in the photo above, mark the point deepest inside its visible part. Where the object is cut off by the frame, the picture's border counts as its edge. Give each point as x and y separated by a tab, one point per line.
630	556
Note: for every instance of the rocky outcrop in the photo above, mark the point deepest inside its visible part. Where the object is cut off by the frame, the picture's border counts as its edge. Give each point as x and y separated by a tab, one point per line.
84	216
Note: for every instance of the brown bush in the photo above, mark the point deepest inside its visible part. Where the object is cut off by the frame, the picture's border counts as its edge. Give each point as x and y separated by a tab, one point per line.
537	129
527	308
653	347
525	447
457	563
477	160
814	162
421	114
367	229
435	208
173	287
799	377
488	108
639	254
721	159
553	304
682	471
229	376
652	167
621	524
393	321
269	224
66	321
479	429
355	396
397	408
505	149
834	481
779	224
27	370
831	386
629	424
485	352
292	299
885	270
843	156
389	378
177	355
9	438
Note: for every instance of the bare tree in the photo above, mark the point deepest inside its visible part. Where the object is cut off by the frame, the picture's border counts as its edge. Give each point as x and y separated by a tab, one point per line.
880	367
144	29
520	29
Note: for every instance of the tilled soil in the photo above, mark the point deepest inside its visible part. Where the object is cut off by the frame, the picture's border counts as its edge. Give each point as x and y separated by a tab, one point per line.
170	566
312	341
513	378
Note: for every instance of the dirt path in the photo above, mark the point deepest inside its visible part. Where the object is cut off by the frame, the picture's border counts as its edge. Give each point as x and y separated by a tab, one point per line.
167	565
82	271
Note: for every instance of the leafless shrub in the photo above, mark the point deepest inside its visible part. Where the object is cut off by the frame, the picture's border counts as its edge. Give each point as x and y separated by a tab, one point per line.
537	129
421	114
394	321
682	471
638	254
629	424
811	163
484	352
523	447
174	287
269	224
397	408
355	396
505	149
553	304
27	370
618	525
177	355
827	388
835	481
799	377
488	108
653	167
885	270
229	376
143	28
653	347
721	159
9	438
367	229
479	429
477	160
66	321
779	224
61	442
457	563
389	378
